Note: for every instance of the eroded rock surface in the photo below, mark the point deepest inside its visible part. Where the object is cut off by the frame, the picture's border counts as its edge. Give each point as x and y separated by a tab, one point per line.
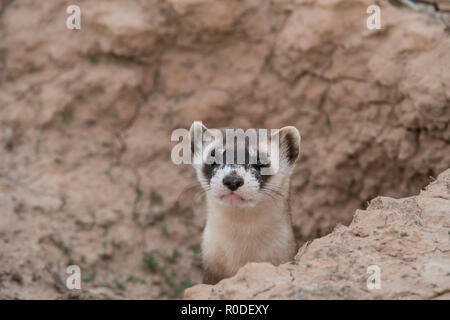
86	117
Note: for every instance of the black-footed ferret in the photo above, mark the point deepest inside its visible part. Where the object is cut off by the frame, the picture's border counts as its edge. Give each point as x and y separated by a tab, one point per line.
248	218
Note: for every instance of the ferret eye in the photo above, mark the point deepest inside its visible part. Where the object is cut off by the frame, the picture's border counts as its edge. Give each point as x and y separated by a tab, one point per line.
212	158
260	164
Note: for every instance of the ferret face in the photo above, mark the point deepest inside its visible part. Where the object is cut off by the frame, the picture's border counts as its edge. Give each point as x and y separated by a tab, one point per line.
243	174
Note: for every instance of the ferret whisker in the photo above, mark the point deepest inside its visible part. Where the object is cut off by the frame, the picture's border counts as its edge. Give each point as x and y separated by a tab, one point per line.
272	191
270	195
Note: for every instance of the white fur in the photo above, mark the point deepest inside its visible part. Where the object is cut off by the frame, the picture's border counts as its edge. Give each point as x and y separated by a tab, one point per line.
234	236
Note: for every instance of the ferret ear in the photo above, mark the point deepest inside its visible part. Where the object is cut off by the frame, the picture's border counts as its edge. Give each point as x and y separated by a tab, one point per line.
196	136
290	143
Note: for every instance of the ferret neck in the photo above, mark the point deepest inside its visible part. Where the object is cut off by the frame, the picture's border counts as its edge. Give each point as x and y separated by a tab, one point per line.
269	208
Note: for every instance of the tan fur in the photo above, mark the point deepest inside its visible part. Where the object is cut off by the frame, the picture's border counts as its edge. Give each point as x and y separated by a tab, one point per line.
235	236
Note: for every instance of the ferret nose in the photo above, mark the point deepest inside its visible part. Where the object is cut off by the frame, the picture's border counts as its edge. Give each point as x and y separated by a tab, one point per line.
233	182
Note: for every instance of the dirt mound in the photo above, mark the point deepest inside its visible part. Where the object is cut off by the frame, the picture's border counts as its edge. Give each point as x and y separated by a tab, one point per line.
86	117
407	239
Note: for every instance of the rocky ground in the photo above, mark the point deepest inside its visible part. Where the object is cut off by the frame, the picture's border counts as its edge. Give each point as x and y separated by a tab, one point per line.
86	117
408	239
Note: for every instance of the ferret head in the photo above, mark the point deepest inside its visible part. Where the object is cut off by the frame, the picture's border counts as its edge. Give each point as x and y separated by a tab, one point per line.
242	168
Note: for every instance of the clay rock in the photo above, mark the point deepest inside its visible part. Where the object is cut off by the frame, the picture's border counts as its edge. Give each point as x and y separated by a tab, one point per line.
86	117
211	104
212	15
408	239
123	29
